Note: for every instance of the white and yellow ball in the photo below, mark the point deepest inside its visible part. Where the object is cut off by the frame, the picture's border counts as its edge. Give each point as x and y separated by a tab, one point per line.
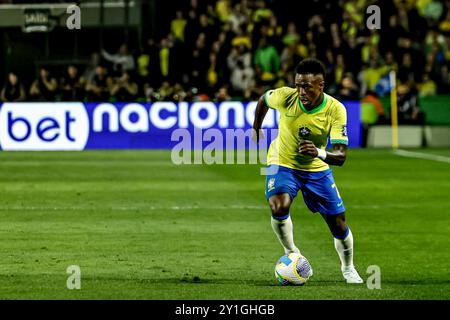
292	269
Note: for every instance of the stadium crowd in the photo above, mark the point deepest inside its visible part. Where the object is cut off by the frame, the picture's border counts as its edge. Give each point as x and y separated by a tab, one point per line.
236	49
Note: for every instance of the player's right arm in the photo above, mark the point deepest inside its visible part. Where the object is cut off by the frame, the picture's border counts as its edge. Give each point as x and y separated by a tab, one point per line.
260	113
274	99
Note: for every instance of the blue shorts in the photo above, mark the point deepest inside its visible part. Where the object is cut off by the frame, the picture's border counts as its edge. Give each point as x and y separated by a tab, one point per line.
318	188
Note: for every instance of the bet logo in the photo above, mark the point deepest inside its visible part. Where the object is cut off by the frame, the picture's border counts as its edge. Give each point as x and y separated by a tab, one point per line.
43	126
304	132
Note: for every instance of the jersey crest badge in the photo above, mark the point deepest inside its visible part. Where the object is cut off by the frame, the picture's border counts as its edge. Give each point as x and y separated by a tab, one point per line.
304	132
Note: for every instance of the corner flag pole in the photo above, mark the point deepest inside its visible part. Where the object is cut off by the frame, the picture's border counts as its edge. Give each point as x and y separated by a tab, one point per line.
394	119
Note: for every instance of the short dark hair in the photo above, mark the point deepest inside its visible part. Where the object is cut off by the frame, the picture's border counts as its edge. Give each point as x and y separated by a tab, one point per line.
310	65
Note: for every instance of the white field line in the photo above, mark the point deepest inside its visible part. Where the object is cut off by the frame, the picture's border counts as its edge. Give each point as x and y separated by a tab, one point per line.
420	155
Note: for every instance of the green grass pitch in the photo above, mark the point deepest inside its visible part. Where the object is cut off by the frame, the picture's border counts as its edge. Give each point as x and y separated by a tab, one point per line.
142	228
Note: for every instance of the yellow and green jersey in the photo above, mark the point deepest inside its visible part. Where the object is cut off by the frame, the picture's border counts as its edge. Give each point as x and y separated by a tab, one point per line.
329	119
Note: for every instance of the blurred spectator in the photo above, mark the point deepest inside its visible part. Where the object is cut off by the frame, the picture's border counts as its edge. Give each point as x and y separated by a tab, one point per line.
237	18
222	95
192	28
149	92
316	25
122	60
444	26
444	79
178	25
372	97
165	91
222	48
13	91
433	11
211	76
312	47
242	39
199	67
261	12
207	27
98	88
242	47
267	57
242	77
179	94
239	54
389	61
348	90
223	9
149	64
285	76
124	88
72	85
289	56
94	61
274	31
351	50
339	68
434	59
44	88
291	37
143	66
427	87
165	59
371	75
434	40
406	70
410	54
408	105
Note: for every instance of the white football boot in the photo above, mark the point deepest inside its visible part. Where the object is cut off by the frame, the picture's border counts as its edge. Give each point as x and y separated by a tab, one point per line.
351	275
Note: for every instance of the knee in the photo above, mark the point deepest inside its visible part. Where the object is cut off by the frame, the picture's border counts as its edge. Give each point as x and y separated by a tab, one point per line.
341	224
279	208
340	228
337	224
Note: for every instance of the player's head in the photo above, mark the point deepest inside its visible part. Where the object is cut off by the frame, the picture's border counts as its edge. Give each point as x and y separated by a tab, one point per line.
310	81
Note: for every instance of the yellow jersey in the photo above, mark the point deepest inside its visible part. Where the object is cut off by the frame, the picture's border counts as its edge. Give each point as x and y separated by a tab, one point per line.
329	119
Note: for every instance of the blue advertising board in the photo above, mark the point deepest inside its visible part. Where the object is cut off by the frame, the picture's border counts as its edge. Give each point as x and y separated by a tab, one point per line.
158	125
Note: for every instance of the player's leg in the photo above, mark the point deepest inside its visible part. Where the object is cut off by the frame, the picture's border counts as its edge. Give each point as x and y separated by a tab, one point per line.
343	243
281	221
281	188
321	195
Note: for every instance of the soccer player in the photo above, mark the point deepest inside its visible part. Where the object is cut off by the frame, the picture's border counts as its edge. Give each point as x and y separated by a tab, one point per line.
297	159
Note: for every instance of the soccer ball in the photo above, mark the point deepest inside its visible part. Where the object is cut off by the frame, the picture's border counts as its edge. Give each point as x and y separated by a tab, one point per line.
292	269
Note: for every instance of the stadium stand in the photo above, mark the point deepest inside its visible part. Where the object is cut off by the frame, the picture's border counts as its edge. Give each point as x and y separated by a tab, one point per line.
234	50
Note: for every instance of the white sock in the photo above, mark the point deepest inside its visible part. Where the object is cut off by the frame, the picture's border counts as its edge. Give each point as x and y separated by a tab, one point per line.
284	231
344	248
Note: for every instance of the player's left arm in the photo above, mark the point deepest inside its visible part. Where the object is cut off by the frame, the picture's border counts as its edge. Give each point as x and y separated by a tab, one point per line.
338	138
335	157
